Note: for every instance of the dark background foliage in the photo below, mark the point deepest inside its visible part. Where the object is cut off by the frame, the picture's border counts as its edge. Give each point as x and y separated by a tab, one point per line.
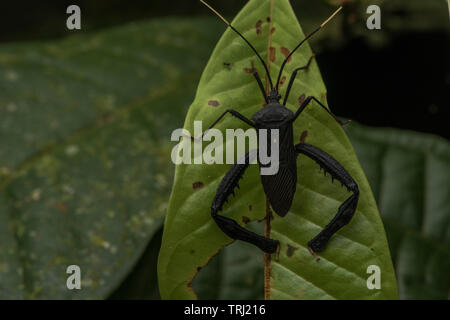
403	83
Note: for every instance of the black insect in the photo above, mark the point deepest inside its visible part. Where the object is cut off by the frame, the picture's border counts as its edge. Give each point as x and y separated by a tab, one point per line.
280	187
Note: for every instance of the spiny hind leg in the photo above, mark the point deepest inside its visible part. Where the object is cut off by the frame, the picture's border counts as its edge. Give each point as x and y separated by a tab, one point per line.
347	209
230	227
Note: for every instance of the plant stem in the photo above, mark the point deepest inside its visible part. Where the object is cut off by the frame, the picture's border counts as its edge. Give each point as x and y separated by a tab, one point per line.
267	257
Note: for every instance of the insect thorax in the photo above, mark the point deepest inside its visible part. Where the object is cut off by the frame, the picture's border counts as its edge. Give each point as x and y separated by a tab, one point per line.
272	115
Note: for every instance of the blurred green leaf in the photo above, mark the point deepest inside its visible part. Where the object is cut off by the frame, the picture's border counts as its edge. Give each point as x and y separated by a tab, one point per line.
410	177
191	238
398	18
84	158
142	282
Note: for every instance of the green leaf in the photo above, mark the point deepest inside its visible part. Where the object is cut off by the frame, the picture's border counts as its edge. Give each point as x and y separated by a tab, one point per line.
84	170
191	238
410	175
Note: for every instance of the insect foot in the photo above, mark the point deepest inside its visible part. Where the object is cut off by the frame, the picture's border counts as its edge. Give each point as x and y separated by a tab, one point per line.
232	229
319	243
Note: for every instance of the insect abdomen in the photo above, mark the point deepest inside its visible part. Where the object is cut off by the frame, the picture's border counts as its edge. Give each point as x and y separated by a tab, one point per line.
280	188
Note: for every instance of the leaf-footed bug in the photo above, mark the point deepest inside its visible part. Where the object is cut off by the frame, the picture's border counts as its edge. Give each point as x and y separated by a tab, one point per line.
280	188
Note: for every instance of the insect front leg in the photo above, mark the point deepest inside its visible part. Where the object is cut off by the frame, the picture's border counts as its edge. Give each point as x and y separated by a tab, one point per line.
294	74
230	111
230	227
306	103
347	209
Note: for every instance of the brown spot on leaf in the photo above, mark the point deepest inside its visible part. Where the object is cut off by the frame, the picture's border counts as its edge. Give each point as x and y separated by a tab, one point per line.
250	70
272	31
272	54
213	103
228	65
316	257
290	250
282	81
245	219
61	207
106	118
250	207
301	99
303	136
258	27
197	185
268	19
286	52
199	268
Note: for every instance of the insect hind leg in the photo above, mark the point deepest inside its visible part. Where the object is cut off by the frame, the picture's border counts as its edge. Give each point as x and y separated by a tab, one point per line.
230	227
346	209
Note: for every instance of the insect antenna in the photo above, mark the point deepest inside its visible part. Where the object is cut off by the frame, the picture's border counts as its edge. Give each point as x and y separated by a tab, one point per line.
249	44
303	41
